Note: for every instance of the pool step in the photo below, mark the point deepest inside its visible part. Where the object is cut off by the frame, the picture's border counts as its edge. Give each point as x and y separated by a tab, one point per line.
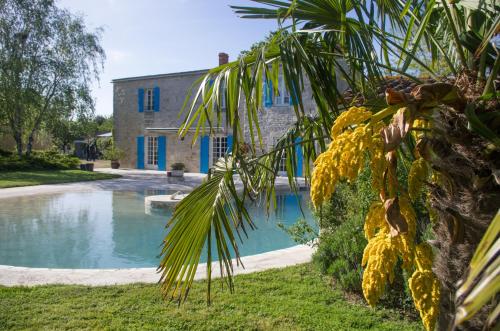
162	201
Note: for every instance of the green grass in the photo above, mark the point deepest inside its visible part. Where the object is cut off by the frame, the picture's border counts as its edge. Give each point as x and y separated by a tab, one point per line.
294	298
39	177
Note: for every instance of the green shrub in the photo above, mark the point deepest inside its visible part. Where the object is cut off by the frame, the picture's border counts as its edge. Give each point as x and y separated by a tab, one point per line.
178	166
339	253
44	160
113	153
4	153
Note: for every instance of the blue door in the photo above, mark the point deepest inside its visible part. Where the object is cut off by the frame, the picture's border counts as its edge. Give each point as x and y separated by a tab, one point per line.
162	153
204	154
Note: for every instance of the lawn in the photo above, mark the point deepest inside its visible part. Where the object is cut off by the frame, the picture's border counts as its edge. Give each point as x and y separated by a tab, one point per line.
39	177
294	298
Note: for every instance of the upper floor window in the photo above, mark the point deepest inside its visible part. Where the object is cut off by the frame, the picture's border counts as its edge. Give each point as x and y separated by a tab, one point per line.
223	101
148	99
283	96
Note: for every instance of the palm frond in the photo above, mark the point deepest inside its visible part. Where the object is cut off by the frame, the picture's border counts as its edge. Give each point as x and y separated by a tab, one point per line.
212	215
483	280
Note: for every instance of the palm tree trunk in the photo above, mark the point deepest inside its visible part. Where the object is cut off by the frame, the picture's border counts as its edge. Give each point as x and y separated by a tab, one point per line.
466	202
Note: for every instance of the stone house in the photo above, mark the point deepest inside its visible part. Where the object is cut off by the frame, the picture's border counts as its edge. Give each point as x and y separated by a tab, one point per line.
146	114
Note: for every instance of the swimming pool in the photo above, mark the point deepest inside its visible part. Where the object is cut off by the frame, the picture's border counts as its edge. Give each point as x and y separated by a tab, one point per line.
110	229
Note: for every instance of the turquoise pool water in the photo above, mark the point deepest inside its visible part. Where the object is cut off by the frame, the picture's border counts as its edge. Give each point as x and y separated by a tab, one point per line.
110	229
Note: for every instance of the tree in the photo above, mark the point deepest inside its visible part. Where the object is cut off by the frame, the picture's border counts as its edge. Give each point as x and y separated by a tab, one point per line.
64	132
48	60
453	127
105	124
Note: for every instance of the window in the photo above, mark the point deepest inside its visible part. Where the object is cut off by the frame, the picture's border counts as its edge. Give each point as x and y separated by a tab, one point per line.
152	151
148	106
282	164
223	101
282	161
219	148
283	98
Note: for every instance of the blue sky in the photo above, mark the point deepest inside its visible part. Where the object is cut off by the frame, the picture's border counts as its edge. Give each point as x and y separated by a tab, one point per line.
143	37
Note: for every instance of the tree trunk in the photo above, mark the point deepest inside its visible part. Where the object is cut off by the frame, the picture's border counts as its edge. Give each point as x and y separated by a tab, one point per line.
19	143
466	201
29	145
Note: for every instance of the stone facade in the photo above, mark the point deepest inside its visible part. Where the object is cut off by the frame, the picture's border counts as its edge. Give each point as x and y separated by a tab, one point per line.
274	119
130	123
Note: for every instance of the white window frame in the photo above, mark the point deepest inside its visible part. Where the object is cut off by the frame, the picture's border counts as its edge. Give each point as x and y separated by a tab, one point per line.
218	148
282	162
283	98
151	151
148	99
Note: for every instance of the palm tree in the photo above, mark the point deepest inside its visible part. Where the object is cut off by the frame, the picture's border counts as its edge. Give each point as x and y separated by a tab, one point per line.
360	42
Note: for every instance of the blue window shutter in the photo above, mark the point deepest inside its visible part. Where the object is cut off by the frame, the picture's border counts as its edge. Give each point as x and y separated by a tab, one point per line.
140	152
140	100
204	154
268	93
156	99
300	157
229	144
162	153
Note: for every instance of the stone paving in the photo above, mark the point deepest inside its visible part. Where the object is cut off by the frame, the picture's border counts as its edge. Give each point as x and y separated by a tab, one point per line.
20	276
136	180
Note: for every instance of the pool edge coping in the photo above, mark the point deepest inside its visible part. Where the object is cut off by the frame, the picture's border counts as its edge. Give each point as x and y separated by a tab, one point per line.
24	276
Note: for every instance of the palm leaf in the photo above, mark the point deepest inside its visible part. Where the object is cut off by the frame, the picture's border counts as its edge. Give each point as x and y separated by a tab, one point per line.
211	215
483	280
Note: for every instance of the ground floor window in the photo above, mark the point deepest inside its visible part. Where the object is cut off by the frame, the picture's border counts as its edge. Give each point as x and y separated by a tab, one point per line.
219	148
152	150
282	160
282	164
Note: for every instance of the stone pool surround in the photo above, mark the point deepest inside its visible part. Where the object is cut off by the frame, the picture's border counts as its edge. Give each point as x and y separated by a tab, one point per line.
134	180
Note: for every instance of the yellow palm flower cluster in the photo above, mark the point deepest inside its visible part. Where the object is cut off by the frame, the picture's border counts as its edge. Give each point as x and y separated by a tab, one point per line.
378	163
379	257
352	116
424	287
352	140
419	171
386	247
375	220
324	178
405	242
345	155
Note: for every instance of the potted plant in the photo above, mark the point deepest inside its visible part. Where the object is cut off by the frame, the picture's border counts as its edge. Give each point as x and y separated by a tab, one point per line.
114	154
177	169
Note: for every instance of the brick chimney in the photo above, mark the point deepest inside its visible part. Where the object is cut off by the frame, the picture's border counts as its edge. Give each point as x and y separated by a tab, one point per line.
223	58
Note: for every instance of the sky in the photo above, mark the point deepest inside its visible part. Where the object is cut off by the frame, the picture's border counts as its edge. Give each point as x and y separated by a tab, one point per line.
145	37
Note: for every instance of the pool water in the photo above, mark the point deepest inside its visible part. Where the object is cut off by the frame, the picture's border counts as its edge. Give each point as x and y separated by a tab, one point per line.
110	229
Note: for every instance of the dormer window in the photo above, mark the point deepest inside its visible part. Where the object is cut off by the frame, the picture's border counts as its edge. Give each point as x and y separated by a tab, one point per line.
148	99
